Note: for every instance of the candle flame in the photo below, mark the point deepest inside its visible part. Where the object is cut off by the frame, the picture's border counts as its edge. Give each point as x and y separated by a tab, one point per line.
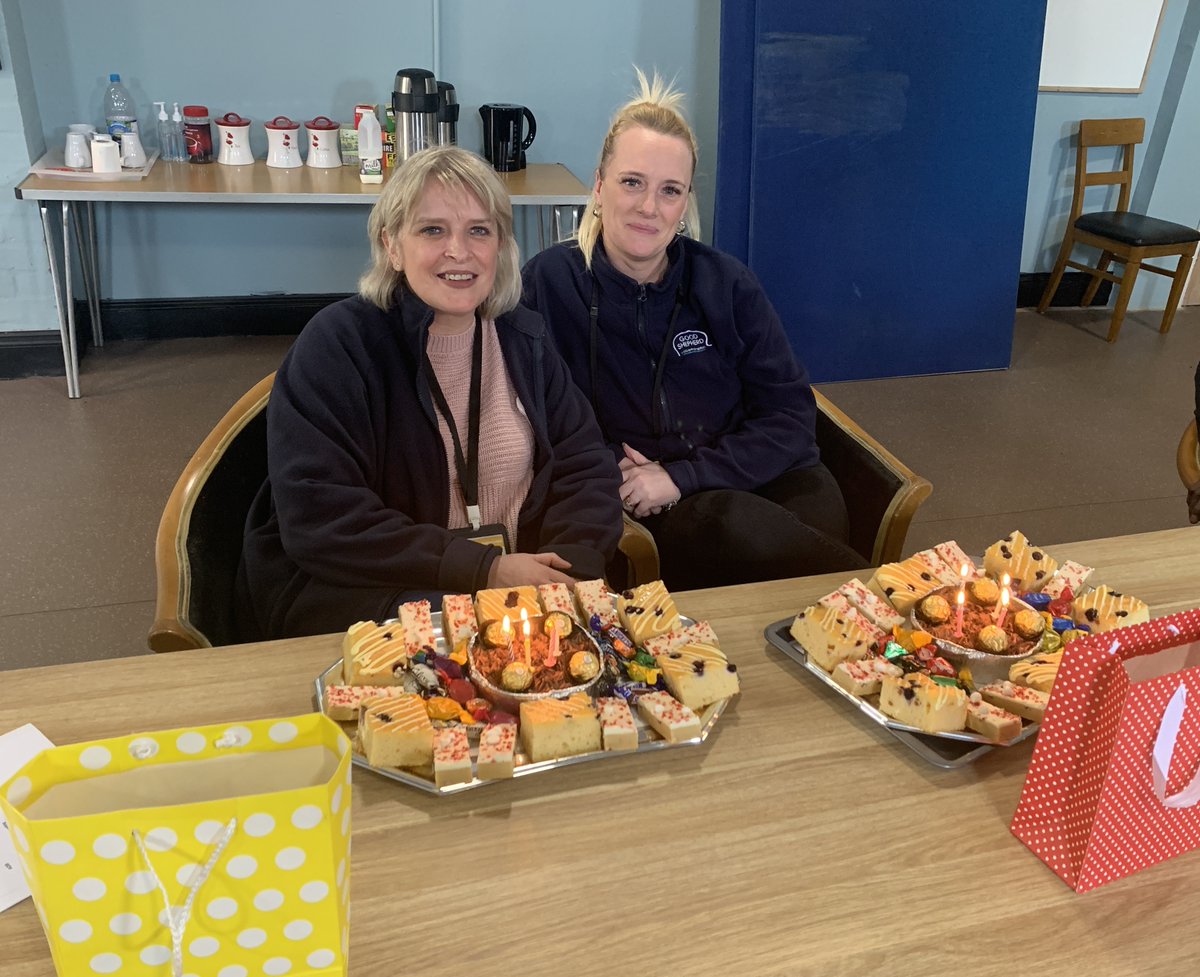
1005	580
1004	597
524	614
961	597
506	624
525	626
963	571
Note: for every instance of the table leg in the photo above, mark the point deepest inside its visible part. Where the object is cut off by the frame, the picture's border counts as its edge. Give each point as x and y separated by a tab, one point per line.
572	213
88	268
48	235
69	293
94	251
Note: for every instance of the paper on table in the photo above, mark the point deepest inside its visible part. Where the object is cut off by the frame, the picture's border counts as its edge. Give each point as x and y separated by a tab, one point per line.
16	749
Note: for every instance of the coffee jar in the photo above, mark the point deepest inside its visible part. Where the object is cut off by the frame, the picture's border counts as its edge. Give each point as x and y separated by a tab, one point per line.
197	133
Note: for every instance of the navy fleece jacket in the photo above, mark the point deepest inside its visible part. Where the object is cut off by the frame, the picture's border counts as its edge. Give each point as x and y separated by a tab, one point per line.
358	488
736	409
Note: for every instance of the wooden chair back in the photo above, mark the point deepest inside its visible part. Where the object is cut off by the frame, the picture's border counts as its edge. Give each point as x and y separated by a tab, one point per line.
1187	457
1097	133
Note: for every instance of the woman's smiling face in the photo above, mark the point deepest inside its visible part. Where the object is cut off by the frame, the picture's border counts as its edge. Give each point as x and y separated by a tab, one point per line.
448	253
643	193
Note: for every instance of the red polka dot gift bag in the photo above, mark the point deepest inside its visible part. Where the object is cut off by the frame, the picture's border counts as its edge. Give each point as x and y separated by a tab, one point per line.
1114	783
210	851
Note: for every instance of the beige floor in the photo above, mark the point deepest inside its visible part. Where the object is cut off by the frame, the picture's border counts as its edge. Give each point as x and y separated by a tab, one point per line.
1075	441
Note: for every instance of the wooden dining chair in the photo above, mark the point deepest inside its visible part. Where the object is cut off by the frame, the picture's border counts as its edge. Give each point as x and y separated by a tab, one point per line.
199	542
1120	235
1187	457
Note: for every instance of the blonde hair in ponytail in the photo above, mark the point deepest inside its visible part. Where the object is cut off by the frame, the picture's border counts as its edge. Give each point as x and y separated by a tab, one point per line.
657	106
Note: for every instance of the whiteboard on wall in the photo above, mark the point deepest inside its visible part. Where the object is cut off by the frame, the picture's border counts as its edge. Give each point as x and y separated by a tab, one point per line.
1098	45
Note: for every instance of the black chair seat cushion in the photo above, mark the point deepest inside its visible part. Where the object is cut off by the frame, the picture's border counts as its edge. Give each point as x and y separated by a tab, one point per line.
1137	230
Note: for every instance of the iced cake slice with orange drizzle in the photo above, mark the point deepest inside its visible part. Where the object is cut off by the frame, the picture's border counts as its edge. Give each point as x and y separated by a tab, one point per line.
647	611
1104	609
552	728
698	675
373	654
496	604
396	732
917	700
829	637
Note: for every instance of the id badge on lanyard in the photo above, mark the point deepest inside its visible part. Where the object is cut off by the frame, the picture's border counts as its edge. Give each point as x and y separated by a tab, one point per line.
493	533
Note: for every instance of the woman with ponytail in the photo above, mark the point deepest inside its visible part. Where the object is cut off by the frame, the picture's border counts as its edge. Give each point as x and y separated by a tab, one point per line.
686	364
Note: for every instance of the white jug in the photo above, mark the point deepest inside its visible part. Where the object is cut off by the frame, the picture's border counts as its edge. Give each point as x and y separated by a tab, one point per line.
106	154
283	143
233	133
133	156
324	136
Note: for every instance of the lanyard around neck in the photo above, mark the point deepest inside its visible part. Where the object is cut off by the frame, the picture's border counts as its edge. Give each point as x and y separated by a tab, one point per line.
593	346
468	465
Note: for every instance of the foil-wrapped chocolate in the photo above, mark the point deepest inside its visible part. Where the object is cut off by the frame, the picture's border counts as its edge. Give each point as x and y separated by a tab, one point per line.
992	639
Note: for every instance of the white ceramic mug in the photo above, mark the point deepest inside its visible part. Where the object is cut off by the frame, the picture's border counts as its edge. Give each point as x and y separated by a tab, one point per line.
324	137
133	156
106	154
283	143
76	155
86	128
233	135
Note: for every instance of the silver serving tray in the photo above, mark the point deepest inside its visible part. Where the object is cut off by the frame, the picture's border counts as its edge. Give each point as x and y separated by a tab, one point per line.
648	739
946	750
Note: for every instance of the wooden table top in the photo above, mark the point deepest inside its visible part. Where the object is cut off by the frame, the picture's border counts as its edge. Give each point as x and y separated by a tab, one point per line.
799	840
537	184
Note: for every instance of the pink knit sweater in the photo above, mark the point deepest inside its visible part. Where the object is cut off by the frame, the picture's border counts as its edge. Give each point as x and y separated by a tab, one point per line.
505	437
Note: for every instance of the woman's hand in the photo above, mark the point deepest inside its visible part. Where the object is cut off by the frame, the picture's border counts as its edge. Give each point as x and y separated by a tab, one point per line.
520	569
646	488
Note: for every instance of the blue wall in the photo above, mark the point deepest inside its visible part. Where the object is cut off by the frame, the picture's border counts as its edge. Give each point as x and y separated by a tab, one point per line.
572	65
1165	183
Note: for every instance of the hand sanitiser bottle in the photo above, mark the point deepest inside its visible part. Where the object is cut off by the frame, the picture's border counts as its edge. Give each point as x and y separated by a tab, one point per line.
168	148
370	149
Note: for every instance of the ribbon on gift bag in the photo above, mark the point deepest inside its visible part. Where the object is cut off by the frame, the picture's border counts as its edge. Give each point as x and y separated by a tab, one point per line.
212	849
1164	750
1112	787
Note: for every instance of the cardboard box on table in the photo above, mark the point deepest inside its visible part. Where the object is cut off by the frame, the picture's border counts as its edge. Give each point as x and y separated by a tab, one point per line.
206	850
1113	784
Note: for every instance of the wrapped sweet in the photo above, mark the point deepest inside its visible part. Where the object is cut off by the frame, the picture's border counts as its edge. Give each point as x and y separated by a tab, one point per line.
992	639
516	677
1028	624
935	609
984	591
583	666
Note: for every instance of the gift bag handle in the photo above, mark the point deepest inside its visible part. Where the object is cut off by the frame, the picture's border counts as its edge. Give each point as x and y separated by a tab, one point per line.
1164	748
177	923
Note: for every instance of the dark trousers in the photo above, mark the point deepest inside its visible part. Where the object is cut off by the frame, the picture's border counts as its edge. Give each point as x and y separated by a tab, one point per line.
794	526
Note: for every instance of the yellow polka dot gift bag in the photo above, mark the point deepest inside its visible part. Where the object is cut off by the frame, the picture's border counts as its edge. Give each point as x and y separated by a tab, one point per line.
210	851
1113	786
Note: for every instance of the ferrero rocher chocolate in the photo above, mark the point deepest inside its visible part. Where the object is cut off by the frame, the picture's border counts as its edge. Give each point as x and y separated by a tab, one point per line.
1028	624
494	635
516	676
564	622
983	591
583	666
992	639
935	609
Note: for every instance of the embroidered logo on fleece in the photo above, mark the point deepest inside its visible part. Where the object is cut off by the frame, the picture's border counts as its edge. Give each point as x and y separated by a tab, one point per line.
692	341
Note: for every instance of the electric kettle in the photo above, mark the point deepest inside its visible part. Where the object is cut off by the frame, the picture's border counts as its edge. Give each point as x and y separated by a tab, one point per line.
504	144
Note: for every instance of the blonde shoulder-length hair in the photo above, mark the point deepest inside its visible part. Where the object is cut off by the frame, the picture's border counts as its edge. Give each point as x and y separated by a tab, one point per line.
656	106
455	169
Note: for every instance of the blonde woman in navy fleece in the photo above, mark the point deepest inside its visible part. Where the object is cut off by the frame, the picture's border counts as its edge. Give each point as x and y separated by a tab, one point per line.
688	368
421	414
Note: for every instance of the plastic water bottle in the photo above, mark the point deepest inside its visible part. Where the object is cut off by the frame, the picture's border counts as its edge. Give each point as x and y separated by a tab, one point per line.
120	113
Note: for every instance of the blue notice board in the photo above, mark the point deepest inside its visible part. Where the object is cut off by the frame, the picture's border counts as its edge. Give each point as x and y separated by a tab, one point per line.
872	170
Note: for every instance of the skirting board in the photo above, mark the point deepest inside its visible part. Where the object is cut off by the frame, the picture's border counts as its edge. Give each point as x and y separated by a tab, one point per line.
1070	289
39	352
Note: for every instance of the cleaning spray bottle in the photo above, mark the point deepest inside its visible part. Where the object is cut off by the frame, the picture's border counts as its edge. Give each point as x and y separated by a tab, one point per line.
370	149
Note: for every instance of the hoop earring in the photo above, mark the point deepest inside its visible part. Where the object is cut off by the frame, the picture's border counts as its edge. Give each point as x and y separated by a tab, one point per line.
595	211
681	227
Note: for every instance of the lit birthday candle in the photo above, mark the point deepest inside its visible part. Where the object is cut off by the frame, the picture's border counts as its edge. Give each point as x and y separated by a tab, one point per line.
525	628
960	599
552	654
506	630
1004	598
